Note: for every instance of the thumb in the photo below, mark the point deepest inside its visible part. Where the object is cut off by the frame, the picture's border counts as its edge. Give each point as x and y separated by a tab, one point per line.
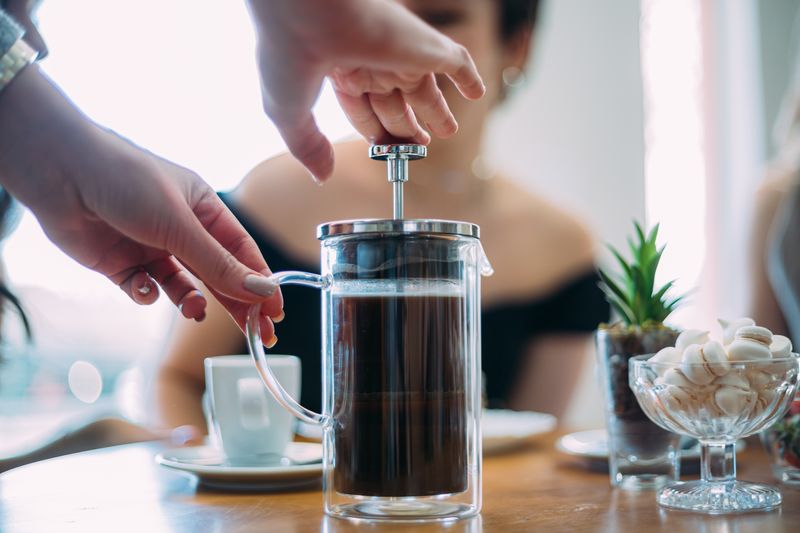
217	249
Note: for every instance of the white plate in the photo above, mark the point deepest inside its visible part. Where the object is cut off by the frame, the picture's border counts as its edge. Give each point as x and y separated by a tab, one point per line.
211	468
593	445
502	429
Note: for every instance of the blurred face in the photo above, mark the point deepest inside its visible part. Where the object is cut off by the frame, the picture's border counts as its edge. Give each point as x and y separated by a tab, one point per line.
475	24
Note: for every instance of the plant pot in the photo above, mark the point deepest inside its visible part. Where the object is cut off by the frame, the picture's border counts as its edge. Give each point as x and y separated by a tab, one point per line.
637	447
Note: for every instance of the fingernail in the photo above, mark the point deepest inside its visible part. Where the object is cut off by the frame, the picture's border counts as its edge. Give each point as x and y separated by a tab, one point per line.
278	319
272	342
145	289
187	298
318	182
260	285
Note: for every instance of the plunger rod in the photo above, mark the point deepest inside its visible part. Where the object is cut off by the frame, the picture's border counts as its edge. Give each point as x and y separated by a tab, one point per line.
398	174
397	189
397	157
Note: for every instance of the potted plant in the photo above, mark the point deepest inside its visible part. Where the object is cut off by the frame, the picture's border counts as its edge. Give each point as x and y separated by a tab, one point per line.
642	308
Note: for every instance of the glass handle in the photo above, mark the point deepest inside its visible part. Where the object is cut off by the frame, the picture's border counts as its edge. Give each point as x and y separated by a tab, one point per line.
253	333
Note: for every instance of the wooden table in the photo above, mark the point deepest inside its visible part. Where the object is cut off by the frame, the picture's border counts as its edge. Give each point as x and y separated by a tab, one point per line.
533	489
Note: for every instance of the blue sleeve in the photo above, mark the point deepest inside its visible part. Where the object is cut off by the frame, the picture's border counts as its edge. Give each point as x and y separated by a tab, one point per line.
10	31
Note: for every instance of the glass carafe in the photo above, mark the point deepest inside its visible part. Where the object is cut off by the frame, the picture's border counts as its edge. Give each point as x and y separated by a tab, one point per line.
401	368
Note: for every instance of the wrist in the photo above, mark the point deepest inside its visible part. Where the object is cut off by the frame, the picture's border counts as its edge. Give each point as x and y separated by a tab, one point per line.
38	129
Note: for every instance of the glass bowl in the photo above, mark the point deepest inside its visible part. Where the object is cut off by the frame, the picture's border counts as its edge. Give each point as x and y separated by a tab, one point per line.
722	402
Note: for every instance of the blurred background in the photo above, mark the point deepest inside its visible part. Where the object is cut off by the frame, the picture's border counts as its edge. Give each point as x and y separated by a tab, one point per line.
657	110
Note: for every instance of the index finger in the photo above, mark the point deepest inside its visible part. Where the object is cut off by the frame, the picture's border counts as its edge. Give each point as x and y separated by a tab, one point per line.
461	69
406	44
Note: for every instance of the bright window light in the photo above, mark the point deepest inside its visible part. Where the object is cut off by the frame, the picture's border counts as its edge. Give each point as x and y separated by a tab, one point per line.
675	175
178	78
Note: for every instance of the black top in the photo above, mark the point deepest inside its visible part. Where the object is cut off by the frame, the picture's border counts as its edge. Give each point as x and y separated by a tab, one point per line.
575	307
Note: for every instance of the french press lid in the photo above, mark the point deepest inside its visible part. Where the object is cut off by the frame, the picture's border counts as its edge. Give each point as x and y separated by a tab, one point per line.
397	157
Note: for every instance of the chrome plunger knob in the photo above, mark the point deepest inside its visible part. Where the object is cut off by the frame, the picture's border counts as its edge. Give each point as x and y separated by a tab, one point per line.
397	157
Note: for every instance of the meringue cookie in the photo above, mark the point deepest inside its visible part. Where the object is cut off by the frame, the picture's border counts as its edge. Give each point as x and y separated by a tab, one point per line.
763	401
735	380
665	358
676	378
689	337
748	350
755	334
781	346
702	364
677	399
779	366
758	379
734	401
729	328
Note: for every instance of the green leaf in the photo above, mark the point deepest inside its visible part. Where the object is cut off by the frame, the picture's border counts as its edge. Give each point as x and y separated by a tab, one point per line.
621	310
639	233
674	302
659	295
607	282
633	292
651	238
621	260
634	251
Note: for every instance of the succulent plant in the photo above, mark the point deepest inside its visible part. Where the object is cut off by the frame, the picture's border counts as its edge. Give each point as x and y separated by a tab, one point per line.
632	292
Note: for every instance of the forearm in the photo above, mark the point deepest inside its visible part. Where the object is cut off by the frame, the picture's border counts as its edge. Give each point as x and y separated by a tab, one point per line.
550	371
39	130
97	434
178	398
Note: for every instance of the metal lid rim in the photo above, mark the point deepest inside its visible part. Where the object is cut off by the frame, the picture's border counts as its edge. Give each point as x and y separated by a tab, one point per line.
400	227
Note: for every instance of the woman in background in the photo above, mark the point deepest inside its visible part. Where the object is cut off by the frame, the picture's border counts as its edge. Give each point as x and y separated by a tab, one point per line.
539	308
775	241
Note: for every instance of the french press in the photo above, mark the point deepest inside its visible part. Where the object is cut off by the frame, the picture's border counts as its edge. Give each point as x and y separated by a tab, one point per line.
401	337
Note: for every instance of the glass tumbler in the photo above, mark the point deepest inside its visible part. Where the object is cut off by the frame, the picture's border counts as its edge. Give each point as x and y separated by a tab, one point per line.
641	455
782	442
401	368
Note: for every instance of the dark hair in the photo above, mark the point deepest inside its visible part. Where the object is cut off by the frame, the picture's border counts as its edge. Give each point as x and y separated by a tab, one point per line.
7	208
517	15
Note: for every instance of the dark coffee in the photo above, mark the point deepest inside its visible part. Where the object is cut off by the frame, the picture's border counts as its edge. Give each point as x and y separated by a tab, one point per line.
400	400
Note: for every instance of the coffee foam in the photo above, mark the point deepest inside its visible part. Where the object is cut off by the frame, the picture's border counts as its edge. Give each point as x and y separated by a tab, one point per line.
383	288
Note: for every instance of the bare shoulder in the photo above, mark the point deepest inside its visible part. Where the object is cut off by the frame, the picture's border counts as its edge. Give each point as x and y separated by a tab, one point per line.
280	196
276	183
545	222
282	179
538	243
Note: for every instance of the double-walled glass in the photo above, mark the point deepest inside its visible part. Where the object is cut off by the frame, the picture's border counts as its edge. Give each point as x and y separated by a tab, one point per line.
401	368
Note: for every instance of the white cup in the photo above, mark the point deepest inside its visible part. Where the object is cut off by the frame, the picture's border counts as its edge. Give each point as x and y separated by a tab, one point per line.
244	420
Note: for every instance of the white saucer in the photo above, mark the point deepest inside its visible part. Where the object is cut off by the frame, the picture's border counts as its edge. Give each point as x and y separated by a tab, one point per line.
502	429
593	445
212	469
